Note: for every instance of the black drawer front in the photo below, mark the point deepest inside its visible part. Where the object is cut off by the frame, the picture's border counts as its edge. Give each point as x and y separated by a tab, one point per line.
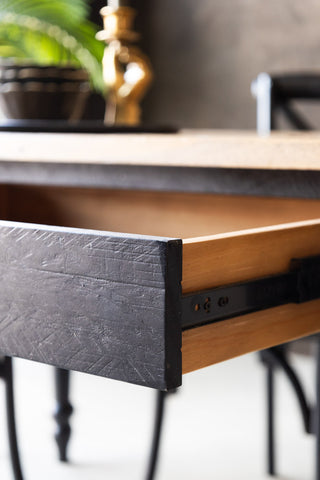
96	302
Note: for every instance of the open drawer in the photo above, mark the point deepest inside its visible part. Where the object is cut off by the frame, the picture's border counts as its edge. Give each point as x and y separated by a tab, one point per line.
127	306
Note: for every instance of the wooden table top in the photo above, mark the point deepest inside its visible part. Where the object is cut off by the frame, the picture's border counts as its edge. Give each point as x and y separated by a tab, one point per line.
189	148
285	164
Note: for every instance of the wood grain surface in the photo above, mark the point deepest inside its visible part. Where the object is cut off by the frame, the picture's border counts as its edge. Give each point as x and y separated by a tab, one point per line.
169	214
92	301
230	258
239	256
194	148
224	340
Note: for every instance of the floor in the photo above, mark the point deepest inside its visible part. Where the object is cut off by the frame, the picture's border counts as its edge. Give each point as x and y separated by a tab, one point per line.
214	427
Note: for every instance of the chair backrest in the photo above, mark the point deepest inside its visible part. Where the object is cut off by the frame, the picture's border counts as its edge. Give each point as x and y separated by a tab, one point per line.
275	93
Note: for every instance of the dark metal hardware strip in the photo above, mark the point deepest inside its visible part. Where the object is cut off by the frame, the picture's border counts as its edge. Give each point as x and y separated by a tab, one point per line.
300	284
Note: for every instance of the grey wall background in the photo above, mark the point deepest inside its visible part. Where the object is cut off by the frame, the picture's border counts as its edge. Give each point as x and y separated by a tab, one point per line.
206	52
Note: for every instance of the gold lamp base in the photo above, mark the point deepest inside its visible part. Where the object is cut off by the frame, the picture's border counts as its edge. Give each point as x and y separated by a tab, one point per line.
127	72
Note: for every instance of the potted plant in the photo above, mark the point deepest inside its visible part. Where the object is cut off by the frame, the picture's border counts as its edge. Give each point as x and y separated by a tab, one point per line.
49	58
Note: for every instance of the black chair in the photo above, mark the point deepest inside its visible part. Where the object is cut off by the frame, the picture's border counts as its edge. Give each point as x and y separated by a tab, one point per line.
275	95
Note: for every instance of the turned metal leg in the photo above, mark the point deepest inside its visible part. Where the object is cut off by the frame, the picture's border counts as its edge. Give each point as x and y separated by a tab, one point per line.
160	409
7	375
63	412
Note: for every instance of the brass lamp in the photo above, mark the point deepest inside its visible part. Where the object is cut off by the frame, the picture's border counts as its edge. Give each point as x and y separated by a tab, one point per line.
127	71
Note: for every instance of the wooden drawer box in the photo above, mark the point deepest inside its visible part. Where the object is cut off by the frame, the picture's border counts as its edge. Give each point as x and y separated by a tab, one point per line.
79	296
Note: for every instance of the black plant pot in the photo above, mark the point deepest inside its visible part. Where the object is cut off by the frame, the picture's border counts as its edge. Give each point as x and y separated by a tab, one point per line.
43	92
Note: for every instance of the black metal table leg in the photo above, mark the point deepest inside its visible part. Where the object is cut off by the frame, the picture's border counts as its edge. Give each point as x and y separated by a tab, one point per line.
305	409
270	431
7	375
317	411
276	357
160	408
63	412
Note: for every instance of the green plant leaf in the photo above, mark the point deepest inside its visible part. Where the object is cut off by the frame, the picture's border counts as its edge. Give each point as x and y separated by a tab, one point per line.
46	44
51	32
57	12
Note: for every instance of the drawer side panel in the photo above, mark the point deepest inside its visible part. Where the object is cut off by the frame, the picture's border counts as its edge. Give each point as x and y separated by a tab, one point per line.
225	259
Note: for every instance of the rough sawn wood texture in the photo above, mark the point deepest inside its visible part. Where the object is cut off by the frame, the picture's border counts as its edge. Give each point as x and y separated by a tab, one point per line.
92	301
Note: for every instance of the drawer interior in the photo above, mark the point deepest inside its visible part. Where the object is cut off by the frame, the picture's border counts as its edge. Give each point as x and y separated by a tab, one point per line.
176	215
218	249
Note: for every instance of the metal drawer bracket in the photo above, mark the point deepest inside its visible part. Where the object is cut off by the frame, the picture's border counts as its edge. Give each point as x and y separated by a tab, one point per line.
300	284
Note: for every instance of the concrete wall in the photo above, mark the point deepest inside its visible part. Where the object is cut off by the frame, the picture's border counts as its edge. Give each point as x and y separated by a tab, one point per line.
206	52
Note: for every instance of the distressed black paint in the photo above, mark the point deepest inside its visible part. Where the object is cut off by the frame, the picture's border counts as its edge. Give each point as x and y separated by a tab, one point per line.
91	301
231	181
